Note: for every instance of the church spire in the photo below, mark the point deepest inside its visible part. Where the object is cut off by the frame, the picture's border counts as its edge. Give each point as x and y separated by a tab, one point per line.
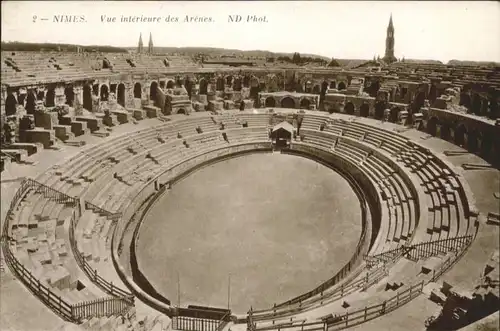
140	47
150	44
389	43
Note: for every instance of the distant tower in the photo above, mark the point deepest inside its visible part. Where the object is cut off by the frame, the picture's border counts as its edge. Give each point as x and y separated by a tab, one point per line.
150	44
389	44
140	47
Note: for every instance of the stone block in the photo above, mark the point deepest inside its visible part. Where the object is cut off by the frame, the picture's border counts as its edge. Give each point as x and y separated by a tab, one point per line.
78	128
138	114
63	132
121	115
39	135
93	123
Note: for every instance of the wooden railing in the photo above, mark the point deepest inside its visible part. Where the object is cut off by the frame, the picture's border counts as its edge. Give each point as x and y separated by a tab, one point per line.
421	250
363	283
368	313
194	324
109	215
69	312
91	273
50	193
99	308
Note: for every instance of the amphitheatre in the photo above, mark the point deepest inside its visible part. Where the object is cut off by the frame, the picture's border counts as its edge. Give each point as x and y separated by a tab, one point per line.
147	191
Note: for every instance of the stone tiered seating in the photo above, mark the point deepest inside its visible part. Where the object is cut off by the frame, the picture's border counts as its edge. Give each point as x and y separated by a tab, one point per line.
40	241
399	206
446	215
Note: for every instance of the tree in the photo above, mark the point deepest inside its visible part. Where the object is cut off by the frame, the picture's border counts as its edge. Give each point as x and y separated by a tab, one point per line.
333	63
296	58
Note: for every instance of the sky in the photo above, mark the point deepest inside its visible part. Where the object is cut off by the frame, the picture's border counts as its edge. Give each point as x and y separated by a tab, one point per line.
341	29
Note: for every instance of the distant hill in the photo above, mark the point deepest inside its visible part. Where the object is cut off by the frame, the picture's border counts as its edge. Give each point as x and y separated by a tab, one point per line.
223	52
474	63
16	46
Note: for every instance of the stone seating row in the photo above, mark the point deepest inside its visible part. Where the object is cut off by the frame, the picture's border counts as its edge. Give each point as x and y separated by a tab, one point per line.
445	208
446	212
42	245
398	207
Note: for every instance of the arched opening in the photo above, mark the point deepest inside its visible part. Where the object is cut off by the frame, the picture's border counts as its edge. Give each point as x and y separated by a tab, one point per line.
170	84
95	89
472	141
237	84
254	90
188	84
476	104
419	101
287	102
246	81
372	88
106	64
316	89
50	98
152	92
305	103
229	80
460	133
40	95
332	85
486	144
87	97
104	92
432	126
379	110
432	94
445	132
364	111
270	102
219	85
10	105
20	99
465	100
181	111
203	87
30	103
341	86
242	105
70	95
394	115
121	95
349	108
138	91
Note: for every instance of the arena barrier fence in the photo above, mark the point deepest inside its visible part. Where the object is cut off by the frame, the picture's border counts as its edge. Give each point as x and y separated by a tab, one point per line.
421	250
68	312
49	192
109	215
194	324
346	269
91	273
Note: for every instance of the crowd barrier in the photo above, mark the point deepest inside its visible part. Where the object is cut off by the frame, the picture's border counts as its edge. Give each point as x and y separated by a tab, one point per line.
68	312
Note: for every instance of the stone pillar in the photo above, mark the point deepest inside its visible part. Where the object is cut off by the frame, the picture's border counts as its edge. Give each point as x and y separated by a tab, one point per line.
466	141
438	130
60	97
78	100
452	134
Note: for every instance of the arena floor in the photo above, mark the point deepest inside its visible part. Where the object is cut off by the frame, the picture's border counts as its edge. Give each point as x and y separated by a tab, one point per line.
279	224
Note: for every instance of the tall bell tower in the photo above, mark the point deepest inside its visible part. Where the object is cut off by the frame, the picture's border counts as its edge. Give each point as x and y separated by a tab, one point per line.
140	46
389	44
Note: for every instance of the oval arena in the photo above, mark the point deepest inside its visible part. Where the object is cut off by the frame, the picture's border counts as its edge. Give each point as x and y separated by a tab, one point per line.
214	199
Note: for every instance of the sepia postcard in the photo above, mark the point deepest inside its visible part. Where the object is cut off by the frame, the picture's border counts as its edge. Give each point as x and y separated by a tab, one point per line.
250	165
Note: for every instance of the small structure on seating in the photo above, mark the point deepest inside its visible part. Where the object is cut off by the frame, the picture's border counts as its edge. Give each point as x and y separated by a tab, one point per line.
282	133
